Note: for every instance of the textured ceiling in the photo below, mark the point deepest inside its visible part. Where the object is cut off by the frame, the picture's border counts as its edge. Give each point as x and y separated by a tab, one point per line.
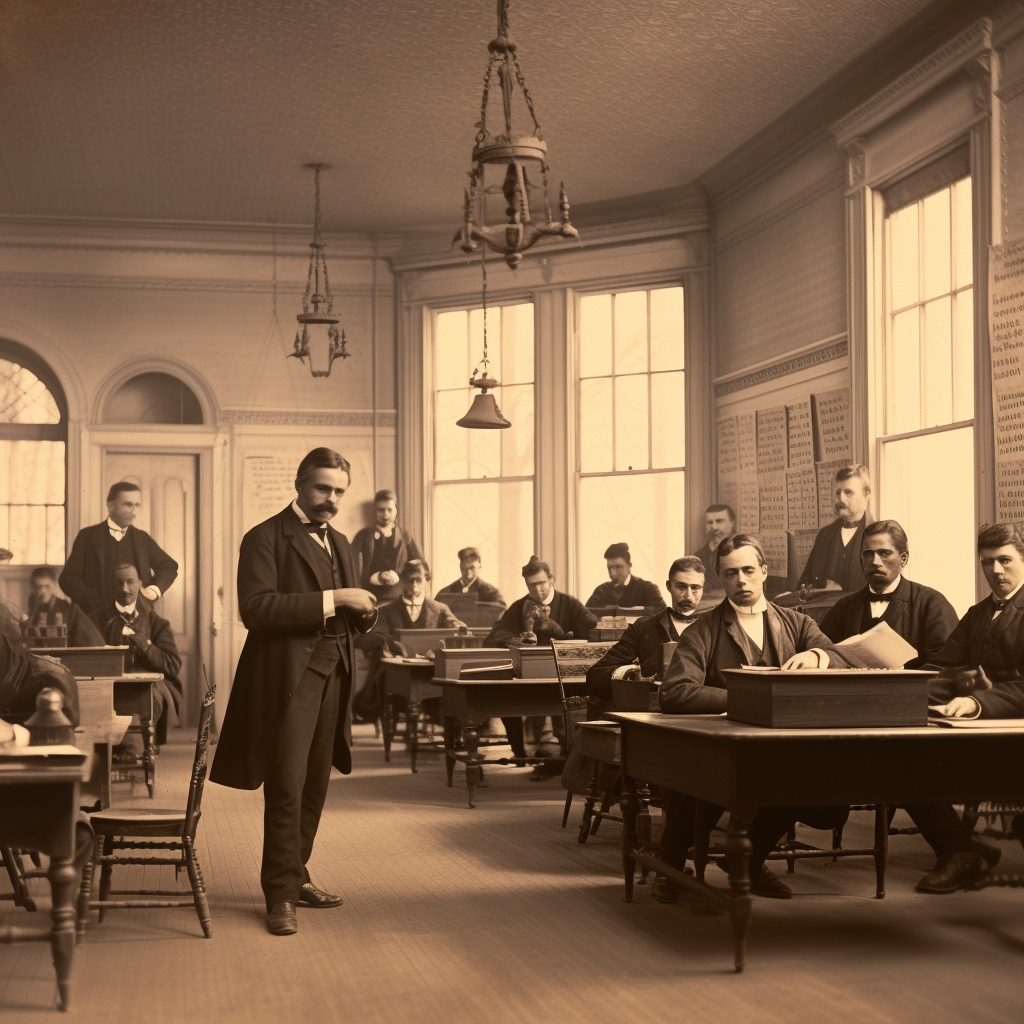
205	110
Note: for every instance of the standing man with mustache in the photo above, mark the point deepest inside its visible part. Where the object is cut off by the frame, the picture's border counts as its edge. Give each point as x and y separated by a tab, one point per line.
719	523
289	715
836	552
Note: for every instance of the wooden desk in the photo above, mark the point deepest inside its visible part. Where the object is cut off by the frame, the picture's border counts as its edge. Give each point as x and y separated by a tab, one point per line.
409	681
133	695
746	767
100	728
469	703
39	798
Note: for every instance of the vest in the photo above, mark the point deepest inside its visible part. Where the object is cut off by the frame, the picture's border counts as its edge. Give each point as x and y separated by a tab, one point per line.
117	552
752	654
332	644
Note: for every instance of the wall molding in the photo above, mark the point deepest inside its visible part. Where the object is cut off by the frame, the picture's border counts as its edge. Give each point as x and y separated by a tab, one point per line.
820	188
1011	90
960	51
387	419
825	351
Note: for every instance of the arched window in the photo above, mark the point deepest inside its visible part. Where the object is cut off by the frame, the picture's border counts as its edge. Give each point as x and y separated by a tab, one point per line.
153	398
33	458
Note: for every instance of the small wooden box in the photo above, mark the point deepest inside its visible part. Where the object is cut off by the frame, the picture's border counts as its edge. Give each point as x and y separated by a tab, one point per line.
633	695
532	662
449	664
829	698
90	661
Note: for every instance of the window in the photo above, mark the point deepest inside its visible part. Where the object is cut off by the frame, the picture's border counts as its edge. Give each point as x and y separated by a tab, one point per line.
632	443
482	480
153	398
33	443
927	445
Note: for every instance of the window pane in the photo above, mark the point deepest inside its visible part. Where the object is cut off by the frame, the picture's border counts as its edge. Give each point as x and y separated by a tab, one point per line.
55	535
517	344
497	518
516	404
905	380
668	435
451	350
903	257
595	335
596	425
963	355
964	234
24	397
937	253
631	332
667	329
645	511
484	451
631	422
937	361
451	442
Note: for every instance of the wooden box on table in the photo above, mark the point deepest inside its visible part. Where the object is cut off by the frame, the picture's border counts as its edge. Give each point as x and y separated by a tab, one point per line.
90	661
532	661
828	698
419	641
450	663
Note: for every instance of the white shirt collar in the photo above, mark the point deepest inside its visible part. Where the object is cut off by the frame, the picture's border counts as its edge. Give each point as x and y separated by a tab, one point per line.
114	528
129	610
754	609
1011	595
413	604
892	586
303	518
625	582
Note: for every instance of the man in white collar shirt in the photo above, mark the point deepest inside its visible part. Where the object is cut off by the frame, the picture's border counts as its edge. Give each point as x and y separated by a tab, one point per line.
414	610
745	629
382	549
469	581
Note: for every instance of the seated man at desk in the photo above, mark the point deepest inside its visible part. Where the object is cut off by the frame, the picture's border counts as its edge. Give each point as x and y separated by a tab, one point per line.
925	619
129	620
835	555
639	652
623	589
745	629
23	674
414	610
47	609
469	581
719	523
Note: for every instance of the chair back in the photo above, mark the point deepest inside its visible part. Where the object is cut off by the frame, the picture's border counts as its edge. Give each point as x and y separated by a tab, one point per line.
574	657
198	780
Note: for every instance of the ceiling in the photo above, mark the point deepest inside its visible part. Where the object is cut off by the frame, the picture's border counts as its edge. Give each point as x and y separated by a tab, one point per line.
205	110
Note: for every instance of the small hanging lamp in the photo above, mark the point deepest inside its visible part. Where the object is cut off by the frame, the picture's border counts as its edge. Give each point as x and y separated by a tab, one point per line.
484	413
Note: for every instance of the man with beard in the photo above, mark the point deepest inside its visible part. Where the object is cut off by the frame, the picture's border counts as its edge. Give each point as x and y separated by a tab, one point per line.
719	523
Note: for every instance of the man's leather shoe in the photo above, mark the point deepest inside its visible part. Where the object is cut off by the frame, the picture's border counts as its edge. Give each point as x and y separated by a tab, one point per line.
311	896
281	919
957	871
764	882
663	890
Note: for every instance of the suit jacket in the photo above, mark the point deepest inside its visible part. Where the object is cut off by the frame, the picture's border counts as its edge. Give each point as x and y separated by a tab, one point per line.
829	559
406	550
280	583
479	589
694	682
82	632
641	642
160	654
566	611
636	594
394	617
922	616
997	647
87	580
711	580
23	675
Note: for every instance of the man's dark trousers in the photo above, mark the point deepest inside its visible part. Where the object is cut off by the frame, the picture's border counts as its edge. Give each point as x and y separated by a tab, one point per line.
295	786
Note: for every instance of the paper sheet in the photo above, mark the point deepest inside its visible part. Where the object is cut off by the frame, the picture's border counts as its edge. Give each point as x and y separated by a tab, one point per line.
879	647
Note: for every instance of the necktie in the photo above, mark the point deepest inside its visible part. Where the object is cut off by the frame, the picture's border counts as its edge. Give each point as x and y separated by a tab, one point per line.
873	597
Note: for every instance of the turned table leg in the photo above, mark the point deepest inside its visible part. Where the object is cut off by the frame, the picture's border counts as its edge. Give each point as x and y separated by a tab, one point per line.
63	884
629	816
738	848
471	737
412	718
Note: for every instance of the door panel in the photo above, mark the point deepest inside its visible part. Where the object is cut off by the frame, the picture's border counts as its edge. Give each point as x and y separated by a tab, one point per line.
169	513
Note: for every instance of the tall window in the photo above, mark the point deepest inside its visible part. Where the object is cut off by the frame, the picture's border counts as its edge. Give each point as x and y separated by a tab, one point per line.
631	431
482	487
927	448
33	435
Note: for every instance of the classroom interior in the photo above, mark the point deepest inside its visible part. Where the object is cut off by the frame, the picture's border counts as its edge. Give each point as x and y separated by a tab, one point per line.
793	221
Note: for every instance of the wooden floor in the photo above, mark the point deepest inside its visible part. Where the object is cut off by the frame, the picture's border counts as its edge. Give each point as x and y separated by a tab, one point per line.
496	914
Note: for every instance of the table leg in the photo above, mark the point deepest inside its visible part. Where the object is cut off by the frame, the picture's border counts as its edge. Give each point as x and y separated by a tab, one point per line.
149	755
412	718
63	881
738	848
629	816
701	832
451	737
881	848
471	737
385	725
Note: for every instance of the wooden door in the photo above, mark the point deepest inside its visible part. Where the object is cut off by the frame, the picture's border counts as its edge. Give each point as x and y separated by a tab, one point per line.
169	515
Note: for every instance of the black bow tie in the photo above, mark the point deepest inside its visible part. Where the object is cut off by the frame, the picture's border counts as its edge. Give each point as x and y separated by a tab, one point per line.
679	617
872	597
1000	605
316	527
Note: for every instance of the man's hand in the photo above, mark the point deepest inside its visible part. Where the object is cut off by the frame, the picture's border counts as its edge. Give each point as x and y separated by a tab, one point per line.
151	593
13	735
805	659
958	707
362	602
388	577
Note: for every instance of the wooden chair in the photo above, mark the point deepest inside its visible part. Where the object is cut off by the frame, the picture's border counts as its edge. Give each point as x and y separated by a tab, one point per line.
131	829
18	875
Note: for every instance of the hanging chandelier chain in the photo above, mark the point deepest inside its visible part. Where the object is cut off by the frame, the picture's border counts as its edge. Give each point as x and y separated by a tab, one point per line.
481	135
485	362
526	94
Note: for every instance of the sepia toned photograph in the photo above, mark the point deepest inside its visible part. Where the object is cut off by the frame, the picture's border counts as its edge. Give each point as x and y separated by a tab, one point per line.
512	511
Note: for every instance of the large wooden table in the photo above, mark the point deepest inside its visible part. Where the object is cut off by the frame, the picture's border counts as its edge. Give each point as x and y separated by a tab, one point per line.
133	695
409	680
38	808
100	729
746	767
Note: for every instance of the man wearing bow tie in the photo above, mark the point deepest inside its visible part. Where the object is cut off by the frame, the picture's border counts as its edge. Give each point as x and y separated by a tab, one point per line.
289	716
87	577
925	619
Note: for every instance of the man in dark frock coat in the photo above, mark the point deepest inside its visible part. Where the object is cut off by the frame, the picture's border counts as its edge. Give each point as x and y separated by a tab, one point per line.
924	618
382	549
88	574
469	581
46	609
288	720
623	589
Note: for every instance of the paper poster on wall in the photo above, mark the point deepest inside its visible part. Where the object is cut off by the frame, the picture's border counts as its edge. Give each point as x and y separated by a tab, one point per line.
746	445
776	551
771	440
800	435
803	541
1006	341
832	425
771	494
728	448
802	498
729	494
826	472
749	510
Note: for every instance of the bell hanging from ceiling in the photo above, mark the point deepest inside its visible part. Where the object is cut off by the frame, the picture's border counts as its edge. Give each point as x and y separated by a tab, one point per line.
484	413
